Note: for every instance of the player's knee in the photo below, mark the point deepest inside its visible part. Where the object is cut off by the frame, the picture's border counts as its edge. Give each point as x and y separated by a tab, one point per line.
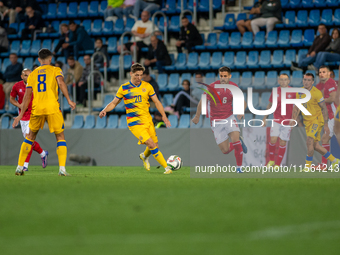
283	143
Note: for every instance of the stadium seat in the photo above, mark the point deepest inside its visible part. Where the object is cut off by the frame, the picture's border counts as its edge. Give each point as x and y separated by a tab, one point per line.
108	28
290	19
167	99
223	40
120	107
185	76
112	45
173	121
337	17
314	18
16	27
66	105
162	23
247	40
192	61
256	100
162	81
326	17
25	48
87	25
127	62
290	57
47	44
173	83
184	121
198	125
264	100
284	37
181	61
296	38
78	122
253	59
93	10
235	40
336	73
294	3
277	61
100	123
97	27
246	80
112	121
332	3
203	6
102	7
62	11
271	79
302	18
302	52
15	47
320	3
259	39
83	9
81	61
206	123
55	24
307	3
114	64
211	41
123	122
210	78
171	7
216	60
5	122
259	79
204	62
235	77
174	24
28	63
308	37
179	6
89	122
72	10
229	22
201	47
171	67
272	39
241	16
265	59
296	80
51	11
129	24
228	59
119	27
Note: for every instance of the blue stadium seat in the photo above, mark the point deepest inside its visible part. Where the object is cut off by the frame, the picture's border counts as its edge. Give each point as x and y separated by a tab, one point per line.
72	10
62	11
55	24
179	6
247	40
161	23
184	121
28	63
265	59
120	107
108	28
89	122
314	18
162	81
296	80
203	6
25	48
192	61
114	65
100	123
51	11
271	79
336	73
5	122
265	100
235	77
211	41
302	52
253	59
290	19
102	7
284	37
228	59
168	99
290	57
127	62
78	122
204	62
201	47
246	80
129	24
296	38
16	27
241	16
173	120
97	27
259	79
307	3
326	17
210	78
66	105
185	76
235	40
223	40
277	60
337	17
199	124
87	25
112	121
284	3
81	61
119	27
15	47
93	10
181	61
272	39
83	9
332	3
229	22
171	67
206	123
302	18
174	24
171	7
294	3
123	122
256	100
216	60
259	39
320	3
112	45
47	44
308	37
173	84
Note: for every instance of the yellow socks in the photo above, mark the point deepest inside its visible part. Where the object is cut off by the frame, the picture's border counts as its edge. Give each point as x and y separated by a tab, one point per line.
329	156
308	161
24	151
147	152
62	152
159	157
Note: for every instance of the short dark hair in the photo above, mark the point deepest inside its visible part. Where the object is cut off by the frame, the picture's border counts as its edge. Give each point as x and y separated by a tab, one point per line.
70	58
146	71
99	39
199	73
45	53
321	24
59	63
72	23
327	67
184	17
186	81
63	25
285	74
310	74
224	69
13	54
137	67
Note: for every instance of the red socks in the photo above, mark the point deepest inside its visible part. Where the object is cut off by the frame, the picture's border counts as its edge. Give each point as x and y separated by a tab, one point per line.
238	153
36	147
280	154
272	148
324	160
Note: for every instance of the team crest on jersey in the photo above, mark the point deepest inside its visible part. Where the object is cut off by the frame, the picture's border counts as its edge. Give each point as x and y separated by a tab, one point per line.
144	89
20	90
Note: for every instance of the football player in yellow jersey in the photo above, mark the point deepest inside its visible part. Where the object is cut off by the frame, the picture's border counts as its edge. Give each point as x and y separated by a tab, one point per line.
314	122
43	84
136	94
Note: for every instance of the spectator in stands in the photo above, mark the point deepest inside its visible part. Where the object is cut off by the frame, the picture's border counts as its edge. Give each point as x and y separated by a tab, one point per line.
196	92
79	40
158	120
142	30
12	73
3	9
198	77
2	97
61	66
188	36
82	84
331	53
64	38
110	9
242	25
33	22
3	40
319	44
149	79
270	12
76	70
332	75
100	47
146	5
125	9
17	11
158	55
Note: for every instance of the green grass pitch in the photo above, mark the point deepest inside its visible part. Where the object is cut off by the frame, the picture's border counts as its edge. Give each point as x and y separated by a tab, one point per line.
126	210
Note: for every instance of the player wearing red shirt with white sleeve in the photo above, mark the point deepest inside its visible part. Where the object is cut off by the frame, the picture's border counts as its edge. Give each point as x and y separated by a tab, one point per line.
224	113
18	91
328	87
277	130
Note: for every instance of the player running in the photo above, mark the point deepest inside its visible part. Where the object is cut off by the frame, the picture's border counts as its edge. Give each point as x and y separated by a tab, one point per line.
136	94
277	130
43	84
18	90
224	111
328	88
314	122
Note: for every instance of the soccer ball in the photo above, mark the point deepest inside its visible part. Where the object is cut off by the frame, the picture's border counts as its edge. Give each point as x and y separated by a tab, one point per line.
174	162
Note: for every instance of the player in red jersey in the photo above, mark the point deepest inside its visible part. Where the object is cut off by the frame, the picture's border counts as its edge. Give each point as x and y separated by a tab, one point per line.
18	91
277	130
224	114
328	88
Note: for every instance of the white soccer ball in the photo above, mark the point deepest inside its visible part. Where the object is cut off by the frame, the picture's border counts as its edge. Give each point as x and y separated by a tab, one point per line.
174	162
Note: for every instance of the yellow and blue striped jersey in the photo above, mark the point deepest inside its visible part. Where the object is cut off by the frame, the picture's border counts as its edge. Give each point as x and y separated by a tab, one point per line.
313	106
136	100
43	82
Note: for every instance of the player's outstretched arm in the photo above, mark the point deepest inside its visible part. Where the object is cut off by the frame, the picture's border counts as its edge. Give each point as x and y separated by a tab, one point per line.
110	107
25	103
63	89
196	119
160	108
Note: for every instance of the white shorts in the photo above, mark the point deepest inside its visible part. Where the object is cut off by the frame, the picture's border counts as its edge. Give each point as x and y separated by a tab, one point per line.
221	131
24	127
280	131
331	127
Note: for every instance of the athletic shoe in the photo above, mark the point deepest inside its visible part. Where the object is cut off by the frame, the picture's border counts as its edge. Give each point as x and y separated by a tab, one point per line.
270	163
239	170
63	173
25	169
335	165
168	170
295	67
44	159
244	147
19	171
145	160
